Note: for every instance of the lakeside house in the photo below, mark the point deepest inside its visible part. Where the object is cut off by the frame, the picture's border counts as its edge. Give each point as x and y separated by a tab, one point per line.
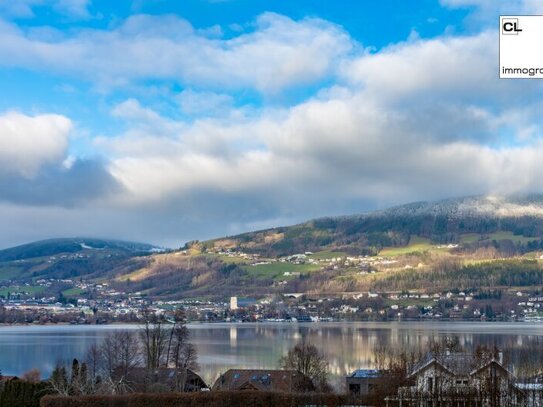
140	379
453	379
6	379
363	381
287	381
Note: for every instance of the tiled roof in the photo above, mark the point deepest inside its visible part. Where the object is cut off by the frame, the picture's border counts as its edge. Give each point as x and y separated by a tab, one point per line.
271	380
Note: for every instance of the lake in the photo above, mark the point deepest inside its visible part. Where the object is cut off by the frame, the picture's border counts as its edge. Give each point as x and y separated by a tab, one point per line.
347	345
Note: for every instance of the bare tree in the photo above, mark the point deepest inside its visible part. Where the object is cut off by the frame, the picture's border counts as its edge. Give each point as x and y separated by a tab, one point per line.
32	376
93	359
188	358
129	355
307	359
154	338
449	344
59	382
184	354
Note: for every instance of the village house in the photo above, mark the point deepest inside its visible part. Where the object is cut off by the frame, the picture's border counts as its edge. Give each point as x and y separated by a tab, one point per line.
6	379
286	381
459	379
140	379
363	381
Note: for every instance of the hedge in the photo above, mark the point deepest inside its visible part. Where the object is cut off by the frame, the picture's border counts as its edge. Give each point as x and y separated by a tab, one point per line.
19	393
204	399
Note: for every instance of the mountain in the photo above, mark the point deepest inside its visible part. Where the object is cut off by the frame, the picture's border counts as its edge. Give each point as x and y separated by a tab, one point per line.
444	221
479	242
490	206
68	258
53	247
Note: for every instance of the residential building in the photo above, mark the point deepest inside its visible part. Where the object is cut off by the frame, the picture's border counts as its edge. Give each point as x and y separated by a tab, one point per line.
363	381
288	381
459	379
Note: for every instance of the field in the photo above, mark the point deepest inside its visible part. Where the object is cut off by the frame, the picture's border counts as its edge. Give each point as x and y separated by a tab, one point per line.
32	289
416	244
72	292
277	270
474	237
8	272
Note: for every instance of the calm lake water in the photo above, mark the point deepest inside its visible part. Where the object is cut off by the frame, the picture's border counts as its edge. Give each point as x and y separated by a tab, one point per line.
347	346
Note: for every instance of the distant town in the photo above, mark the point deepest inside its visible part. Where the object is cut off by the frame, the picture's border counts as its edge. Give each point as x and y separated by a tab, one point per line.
90	302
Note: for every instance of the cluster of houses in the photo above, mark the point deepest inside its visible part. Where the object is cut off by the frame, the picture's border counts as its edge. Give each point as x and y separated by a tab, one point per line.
452	379
449	379
140	379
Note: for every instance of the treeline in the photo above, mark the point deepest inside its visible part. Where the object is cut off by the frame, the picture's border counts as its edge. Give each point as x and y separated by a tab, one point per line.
125	362
447	273
368	234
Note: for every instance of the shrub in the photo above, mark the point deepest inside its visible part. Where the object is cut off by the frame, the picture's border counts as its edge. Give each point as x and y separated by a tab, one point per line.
20	393
209	399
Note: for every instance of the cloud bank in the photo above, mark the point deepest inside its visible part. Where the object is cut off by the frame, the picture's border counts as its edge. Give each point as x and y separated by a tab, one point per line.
232	151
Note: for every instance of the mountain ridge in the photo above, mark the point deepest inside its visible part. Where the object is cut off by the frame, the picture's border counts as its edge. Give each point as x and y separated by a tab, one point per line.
54	246
402	247
441	221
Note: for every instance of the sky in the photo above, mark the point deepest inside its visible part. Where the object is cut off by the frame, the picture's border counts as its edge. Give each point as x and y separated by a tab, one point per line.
167	121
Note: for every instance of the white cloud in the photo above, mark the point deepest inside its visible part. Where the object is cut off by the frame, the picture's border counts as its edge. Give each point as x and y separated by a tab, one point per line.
421	119
441	66
204	103
278	54
29	142
417	120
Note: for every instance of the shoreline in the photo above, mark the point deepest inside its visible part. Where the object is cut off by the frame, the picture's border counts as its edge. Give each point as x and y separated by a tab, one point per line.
287	324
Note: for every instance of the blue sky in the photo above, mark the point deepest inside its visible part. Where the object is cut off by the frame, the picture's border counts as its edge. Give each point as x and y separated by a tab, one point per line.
167	121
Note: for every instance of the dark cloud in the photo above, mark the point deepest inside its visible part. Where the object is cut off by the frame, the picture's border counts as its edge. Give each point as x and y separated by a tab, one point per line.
80	184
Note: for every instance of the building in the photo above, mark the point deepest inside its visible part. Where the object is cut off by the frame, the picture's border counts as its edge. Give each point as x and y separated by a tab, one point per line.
241	303
286	381
6	379
455	379
140	379
363	381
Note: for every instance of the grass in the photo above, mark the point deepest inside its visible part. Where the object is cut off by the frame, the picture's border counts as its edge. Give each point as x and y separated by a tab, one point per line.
511	236
277	270
419	244
8	273
475	237
470	238
416	244
229	259
72	292
31	289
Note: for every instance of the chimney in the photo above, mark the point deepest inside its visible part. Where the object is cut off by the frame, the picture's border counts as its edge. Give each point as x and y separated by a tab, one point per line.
500	357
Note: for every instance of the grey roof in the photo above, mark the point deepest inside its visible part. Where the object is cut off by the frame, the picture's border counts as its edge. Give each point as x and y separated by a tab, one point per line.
365	373
459	364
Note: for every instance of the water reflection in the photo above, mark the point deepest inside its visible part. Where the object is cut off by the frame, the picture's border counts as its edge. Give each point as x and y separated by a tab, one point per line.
347	346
